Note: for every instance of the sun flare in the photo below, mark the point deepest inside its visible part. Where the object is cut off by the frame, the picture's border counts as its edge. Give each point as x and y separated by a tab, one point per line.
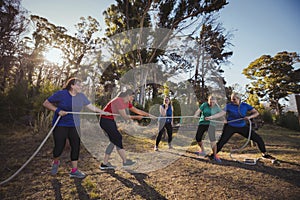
54	55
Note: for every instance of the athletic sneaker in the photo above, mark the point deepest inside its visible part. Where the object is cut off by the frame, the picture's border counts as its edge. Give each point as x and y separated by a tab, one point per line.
217	159
201	153
128	163
170	146
77	174
107	166
267	156
155	148
54	169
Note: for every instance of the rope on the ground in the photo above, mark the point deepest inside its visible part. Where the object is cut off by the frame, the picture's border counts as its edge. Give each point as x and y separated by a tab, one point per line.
33	155
48	135
251	161
92	113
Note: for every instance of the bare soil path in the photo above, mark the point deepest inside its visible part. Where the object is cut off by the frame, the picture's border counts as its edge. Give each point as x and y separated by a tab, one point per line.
188	177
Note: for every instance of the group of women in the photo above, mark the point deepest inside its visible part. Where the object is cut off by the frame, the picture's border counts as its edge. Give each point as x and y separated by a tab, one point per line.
71	99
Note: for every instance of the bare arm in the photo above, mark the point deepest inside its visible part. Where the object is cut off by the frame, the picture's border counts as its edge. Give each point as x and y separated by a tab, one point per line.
53	108
124	115
254	113
197	113
215	116
135	110
140	112
163	111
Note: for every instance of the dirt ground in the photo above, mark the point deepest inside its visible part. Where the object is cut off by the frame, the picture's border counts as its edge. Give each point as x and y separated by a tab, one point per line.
188	177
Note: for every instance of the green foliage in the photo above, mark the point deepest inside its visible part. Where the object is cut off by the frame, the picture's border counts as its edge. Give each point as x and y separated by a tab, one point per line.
176	110
16	105
288	120
274	78
13	24
23	104
253	100
43	122
214	42
155	101
46	90
173	15
267	116
166	90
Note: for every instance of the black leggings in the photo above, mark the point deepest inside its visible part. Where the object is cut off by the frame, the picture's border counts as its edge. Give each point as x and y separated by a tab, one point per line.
111	129
228	131
161	127
60	135
211	132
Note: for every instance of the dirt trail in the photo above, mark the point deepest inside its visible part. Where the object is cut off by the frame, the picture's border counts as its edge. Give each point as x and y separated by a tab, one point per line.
187	177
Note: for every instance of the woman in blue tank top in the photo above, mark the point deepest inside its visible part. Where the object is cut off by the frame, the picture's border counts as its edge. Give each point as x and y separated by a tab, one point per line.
165	122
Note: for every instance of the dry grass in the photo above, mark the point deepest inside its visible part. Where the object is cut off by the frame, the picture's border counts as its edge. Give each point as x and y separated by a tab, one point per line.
188	177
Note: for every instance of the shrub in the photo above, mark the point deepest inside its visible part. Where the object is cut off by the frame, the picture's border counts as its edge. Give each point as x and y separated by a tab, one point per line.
43	122
288	120
267	117
16	105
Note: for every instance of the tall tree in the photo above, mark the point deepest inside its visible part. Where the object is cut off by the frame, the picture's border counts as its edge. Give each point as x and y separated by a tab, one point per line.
12	24
274	78
208	53
73	48
172	15
253	100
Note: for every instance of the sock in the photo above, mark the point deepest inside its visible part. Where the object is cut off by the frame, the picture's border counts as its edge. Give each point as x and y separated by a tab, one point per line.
73	170
55	161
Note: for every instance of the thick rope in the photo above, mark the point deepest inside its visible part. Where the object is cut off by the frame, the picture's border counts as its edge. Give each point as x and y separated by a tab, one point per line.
253	162
92	113
249	136
46	138
33	155
42	144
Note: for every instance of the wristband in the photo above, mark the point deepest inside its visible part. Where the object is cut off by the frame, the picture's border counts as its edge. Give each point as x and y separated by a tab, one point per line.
57	110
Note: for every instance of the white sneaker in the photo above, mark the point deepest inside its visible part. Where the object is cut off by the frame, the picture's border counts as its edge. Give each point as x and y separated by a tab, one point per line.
201	153
77	174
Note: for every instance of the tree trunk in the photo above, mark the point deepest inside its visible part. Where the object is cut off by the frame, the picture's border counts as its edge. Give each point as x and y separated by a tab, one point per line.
297	96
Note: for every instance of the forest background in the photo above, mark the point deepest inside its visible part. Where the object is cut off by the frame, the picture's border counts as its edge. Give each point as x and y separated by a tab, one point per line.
152	66
172	47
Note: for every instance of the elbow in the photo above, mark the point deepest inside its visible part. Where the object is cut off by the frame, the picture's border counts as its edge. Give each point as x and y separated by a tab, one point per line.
45	103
